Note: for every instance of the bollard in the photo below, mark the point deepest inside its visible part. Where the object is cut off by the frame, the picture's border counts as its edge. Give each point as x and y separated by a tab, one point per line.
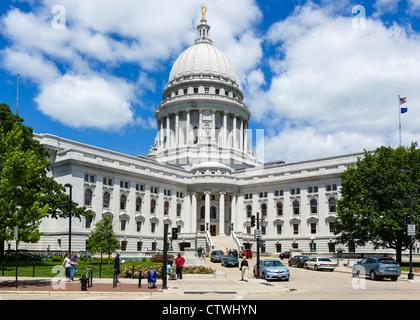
83	281
90	280
33	270
139	278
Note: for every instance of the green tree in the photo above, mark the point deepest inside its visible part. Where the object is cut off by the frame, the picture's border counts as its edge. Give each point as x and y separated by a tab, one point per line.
27	193
21	199
102	239
375	197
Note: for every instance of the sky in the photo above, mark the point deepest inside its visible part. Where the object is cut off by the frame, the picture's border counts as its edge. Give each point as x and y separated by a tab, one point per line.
320	78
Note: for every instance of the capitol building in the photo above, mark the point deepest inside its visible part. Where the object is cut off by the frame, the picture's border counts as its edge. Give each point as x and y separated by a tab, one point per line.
200	175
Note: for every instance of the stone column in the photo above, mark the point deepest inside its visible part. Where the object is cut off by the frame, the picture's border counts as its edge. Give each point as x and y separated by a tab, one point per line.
222	213
225	130
246	138
207	210
194	212
168	132
161	135
241	135
187	128
234	132
233	216
176	144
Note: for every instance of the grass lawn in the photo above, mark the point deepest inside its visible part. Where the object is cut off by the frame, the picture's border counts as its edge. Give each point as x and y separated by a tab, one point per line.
52	269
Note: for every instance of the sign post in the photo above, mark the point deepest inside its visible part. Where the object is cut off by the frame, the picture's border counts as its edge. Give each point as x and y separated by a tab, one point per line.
15	237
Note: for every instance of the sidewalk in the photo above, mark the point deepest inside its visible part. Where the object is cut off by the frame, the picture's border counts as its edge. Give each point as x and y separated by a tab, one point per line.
220	283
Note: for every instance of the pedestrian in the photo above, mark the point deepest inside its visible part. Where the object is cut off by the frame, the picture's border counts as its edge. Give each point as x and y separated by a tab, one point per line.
67	266
117	267
73	266
179	263
244	269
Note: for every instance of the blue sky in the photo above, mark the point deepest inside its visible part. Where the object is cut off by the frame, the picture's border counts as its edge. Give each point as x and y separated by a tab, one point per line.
320	78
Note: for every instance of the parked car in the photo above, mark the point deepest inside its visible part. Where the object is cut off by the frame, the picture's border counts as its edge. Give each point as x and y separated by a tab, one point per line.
320	264
298	261
377	267
272	269
216	256
285	254
247	253
230	261
233	252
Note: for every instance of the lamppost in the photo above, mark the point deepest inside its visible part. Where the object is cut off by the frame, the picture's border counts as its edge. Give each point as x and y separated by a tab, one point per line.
312	244
410	273
68	185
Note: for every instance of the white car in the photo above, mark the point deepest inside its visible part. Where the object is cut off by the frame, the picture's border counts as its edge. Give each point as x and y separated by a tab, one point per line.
320	264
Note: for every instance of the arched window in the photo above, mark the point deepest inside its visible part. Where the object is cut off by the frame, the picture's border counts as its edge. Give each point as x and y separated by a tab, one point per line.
249	211
178	210
296	206
279	206
213	212
166	208
152	206
332	204
138	204
88	197
123	202
107	198
314	206
263	209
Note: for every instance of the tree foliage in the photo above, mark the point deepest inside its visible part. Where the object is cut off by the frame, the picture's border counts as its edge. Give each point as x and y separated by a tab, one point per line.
27	192
102	239
375	197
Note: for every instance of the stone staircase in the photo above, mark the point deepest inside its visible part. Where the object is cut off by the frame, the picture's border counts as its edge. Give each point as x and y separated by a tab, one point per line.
223	242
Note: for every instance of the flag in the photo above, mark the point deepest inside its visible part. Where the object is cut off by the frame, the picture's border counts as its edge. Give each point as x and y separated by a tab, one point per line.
404	110
403	100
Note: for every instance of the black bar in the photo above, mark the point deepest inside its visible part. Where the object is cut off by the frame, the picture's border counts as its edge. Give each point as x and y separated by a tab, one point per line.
165	256
258	246
139	278
33	270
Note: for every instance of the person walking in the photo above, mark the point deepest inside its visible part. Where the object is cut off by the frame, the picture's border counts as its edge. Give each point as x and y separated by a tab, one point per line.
117	266
67	266
73	266
244	270
179	263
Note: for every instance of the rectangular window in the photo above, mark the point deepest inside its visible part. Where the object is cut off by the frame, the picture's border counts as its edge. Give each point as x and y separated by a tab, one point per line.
313	189
295	229
263	194
278	193
138	225
153	227
166	192
294	191
123	225
279	227
90	178
195	90
332	187
107	181
154	190
313	228
124	184
206	90
139	187
217	91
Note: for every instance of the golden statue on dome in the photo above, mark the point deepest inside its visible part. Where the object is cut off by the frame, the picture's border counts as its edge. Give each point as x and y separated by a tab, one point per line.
203	12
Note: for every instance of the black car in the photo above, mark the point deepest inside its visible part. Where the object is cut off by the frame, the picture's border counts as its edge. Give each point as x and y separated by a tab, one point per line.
230	261
285	254
216	256
298	261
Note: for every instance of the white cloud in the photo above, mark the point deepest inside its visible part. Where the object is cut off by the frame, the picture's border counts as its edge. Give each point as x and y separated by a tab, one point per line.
87	101
99	36
334	88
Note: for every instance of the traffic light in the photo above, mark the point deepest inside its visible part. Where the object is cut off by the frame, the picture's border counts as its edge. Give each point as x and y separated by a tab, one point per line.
174	233
252	221
407	219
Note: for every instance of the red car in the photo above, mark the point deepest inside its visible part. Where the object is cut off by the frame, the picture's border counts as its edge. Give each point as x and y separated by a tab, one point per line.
247	253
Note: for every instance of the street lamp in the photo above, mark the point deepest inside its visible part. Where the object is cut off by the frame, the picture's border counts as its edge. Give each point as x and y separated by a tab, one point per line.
68	185
312	244
410	273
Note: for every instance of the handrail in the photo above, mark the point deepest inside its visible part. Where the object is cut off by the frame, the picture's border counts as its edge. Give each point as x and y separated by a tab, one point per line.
235	238
209	241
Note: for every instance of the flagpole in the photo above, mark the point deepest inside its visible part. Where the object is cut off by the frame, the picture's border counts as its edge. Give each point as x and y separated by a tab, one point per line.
399	117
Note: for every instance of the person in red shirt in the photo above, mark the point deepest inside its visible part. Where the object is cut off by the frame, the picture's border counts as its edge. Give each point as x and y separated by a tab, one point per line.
179	263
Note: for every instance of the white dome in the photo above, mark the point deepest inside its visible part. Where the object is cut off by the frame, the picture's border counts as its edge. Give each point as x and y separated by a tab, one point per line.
203	59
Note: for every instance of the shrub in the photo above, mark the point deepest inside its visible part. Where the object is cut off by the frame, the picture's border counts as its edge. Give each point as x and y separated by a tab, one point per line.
56	258
158	257
127	272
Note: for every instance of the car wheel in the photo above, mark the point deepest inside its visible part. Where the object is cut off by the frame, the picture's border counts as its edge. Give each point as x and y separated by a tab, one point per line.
372	275
316	267
394	278
355	273
306	266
